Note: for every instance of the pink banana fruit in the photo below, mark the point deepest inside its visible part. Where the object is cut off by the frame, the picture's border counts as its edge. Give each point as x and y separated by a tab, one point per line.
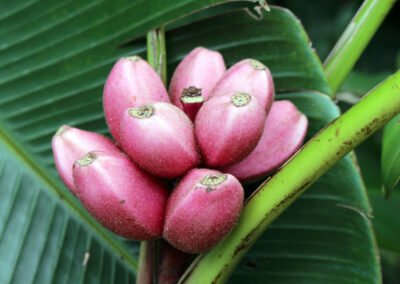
228	128
284	131
69	144
131	83
202	210
159	138
249	76
121	196
196	76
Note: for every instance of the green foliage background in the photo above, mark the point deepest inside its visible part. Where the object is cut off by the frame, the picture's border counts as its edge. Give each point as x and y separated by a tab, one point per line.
54	59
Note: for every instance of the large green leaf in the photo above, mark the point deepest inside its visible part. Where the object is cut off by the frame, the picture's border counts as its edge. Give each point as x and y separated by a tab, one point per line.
51	77
391	156
55	56
42	240
62	53
386	212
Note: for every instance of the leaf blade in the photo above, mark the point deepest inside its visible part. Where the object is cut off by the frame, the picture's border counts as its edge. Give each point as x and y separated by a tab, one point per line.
54	56
319	116
69	88
30	242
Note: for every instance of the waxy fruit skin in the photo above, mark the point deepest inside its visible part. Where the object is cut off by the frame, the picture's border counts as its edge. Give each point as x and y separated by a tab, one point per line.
284	131
131	83
202	210
70	144
249	76
201	68
159	138
120	196
226	133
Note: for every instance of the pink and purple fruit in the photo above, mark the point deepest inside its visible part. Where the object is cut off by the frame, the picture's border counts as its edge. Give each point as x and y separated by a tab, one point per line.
228	127
202	210
249	76
69	144
201	69
159	137
131	83
120	196
284	131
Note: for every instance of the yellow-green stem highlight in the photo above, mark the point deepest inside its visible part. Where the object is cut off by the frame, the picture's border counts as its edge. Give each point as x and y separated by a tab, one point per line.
275	195
354	39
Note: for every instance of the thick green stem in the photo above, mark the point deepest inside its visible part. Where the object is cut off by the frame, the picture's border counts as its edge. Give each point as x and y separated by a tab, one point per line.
354	39
149	256
156	54
277	193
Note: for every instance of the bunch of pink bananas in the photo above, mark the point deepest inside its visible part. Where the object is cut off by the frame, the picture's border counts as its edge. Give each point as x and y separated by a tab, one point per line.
224	121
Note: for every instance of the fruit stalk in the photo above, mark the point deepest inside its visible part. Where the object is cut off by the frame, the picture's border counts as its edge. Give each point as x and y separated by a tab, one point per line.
146	267
173	263
156	57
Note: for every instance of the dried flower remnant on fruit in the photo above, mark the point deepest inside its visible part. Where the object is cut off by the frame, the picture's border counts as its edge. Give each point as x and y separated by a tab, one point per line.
87	159
191	100
257	64
61	130
142	112
240	99
134	58
191	92
212	180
